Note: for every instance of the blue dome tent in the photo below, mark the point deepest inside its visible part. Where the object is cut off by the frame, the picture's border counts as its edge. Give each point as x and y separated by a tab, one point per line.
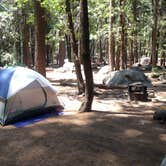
24	92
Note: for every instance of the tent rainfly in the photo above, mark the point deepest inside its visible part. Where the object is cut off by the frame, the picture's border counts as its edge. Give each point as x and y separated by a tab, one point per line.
23	93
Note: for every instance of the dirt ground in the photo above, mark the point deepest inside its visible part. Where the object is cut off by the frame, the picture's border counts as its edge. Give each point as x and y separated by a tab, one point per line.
117	132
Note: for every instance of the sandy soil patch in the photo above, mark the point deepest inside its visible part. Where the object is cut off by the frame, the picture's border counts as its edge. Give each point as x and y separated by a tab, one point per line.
118	132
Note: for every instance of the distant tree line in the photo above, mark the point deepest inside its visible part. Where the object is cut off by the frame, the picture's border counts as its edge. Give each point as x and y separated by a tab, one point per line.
121	32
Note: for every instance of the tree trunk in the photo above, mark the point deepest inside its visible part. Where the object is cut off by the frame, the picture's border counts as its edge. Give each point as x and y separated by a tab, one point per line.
84	28
26	49
154	32
32	43
100	50
18	41
62	52
117	60
131	55
135	47
76	60
49	54
163	59
123	63
40	29
18	50
92	48
111	37
105	49
68	44
135	38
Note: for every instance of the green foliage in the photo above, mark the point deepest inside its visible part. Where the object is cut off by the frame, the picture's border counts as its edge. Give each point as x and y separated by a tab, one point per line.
7	59
139	20
157	72
162	27
6	29
98	18
157	69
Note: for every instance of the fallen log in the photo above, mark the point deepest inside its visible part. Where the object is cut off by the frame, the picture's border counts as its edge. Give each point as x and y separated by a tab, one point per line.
102	86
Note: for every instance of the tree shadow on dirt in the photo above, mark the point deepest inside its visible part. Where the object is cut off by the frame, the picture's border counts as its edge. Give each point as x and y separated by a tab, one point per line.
63	82
87	139
160	87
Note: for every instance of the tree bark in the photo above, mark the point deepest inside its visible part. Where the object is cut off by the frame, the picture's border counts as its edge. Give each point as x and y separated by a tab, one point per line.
135	31
123	63
100	50
111	37
84	28
117	60
131	55
154	32
49	54
62	52
76	60
68	44
40	29
163	59
26	49
32	43
92	48
18	48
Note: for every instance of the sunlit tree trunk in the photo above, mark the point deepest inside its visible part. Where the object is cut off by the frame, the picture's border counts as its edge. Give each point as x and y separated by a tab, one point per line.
76	58
111	37
135	31
154	32
92	48
49	53
84	31
100	50
117	58
123	63
163	59
26	49
32	43
40	29
17	45
68	46
62	53
131	55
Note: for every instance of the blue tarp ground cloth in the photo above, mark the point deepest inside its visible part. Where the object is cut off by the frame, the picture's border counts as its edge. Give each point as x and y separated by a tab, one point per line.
36	119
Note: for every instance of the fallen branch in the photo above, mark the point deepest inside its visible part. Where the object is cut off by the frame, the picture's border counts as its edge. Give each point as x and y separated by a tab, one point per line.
102	86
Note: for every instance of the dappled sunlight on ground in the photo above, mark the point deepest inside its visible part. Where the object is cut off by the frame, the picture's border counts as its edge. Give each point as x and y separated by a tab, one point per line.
70	104
102	105
31	153
99	137
38	133
131	133
162	137
117	132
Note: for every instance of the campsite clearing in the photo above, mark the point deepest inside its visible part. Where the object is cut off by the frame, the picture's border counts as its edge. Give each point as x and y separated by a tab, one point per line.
118	132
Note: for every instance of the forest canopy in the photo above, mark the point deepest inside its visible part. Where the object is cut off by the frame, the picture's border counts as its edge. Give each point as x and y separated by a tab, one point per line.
121	32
